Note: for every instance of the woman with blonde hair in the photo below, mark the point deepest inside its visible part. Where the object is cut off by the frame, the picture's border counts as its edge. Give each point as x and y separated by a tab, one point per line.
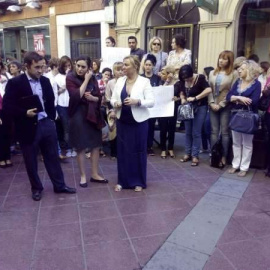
244	95
131	98
155	48
221	80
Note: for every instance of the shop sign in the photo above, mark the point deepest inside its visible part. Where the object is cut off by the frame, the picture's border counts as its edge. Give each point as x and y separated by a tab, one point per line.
257	15
39	44
209	5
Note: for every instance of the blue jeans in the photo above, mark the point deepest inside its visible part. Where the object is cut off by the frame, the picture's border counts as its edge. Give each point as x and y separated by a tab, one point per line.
220	125
194	132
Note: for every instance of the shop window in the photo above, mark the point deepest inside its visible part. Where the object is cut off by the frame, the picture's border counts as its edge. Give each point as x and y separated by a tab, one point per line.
254	30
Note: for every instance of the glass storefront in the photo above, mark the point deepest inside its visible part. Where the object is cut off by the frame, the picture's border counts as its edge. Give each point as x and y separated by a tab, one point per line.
254	30
14	42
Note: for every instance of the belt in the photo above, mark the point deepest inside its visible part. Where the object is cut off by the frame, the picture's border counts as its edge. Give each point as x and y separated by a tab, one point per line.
43	119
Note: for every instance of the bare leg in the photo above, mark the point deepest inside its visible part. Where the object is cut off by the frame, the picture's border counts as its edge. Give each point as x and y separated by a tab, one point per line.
80	160
94	162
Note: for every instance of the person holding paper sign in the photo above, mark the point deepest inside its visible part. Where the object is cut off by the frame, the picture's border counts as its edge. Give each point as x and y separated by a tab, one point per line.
168	124
131	98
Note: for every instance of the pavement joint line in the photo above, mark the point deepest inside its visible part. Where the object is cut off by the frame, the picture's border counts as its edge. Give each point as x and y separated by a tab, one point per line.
175	255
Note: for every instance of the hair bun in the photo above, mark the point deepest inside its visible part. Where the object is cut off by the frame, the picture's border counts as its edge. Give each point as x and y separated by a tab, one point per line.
151	58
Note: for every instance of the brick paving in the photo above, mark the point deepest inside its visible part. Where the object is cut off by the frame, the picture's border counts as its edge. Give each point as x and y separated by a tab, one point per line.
99	229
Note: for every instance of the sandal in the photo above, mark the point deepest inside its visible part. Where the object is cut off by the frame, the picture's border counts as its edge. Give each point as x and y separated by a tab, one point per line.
194	162
88	155
138	189
163	154
242	173
118	188
185	158
232	170
171	153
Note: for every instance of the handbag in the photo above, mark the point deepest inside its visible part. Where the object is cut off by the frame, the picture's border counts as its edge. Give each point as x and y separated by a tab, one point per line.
185	112
216	154
244	122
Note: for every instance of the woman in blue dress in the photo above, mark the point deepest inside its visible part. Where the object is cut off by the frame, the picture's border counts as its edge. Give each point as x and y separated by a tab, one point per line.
132	97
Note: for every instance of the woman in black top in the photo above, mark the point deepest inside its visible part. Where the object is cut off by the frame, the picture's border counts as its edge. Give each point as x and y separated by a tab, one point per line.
148	68
193	88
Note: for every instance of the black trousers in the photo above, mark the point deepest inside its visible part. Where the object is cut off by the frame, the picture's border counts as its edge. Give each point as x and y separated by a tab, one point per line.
151	132
46	141
267	122
5	137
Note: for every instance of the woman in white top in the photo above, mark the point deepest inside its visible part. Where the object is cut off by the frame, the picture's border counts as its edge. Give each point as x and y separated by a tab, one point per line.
155	48
263	76
179	56
65	65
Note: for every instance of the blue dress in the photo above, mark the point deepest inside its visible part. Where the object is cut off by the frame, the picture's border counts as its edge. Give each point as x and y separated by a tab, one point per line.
131	148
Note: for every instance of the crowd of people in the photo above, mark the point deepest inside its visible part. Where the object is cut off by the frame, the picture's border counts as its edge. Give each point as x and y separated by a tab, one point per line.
92	105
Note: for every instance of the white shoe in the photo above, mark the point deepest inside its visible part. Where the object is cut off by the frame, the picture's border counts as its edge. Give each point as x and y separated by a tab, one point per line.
68	154
74	153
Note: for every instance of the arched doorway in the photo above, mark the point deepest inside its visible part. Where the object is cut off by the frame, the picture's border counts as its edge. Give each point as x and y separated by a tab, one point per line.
254	29
169	17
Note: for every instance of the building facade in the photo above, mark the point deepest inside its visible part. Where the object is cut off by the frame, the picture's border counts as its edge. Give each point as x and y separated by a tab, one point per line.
238	25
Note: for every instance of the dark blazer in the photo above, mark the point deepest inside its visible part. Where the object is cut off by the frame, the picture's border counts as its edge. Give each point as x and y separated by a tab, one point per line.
17	88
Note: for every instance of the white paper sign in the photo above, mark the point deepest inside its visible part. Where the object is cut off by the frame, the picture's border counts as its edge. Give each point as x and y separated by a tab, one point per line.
112	55
164	105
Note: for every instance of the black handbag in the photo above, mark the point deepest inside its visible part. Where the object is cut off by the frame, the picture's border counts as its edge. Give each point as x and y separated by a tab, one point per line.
216	154
185	112
244	122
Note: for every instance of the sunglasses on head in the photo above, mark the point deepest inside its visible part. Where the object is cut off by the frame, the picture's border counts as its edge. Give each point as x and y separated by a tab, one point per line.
156	44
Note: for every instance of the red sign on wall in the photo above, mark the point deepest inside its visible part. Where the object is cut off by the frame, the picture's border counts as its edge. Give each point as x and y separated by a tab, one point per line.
39	44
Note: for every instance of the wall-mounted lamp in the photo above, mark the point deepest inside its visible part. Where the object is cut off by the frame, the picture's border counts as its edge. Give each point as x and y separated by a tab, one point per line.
33	4
14	8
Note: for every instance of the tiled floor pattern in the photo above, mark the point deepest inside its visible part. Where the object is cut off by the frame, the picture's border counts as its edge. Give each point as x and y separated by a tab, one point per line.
97	228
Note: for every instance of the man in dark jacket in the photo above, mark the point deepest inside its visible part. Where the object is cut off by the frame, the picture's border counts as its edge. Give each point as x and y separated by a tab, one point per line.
132	44
34	123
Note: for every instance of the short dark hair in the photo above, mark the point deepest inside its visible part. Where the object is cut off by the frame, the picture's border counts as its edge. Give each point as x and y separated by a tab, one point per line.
86	59
254	57
54	62
132	37
97	61
29	57
150	57
62	62
185	72
180	41
207	71
265	66
106	69
112	40
16	63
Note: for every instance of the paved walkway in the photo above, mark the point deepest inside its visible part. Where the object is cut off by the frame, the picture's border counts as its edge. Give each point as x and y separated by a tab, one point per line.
99	229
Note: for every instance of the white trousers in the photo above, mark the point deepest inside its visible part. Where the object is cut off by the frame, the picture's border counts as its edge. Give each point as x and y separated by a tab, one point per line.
242	150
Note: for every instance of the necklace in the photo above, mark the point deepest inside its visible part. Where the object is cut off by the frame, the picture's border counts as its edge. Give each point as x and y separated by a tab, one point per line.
132	81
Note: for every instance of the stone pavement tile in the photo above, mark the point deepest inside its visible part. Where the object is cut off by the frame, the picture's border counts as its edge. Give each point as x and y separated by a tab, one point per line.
4	189
94	194
108	168
125	193
247	178
259	176
10	220
207	181
146	246
204	225
155	176
247	255
159	188
193	196
6	178
116	255
16	249
2	198
58	236
23	188
262	201
97	210
145	224
258	225
151	203
229	187
217	261
233	232
201	171
60	259
265	240
54	215
103	231
187	184
49	198
175	174
172	256
20	203
166	166
257	188
246	208
22	177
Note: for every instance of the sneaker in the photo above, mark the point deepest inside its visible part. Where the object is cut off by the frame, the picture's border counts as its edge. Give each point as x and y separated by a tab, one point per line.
69	153
74	153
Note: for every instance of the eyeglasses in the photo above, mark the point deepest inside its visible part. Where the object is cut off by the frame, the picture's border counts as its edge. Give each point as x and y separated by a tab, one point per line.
156	44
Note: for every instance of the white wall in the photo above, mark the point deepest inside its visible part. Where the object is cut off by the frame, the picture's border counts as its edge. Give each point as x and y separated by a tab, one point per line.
63	22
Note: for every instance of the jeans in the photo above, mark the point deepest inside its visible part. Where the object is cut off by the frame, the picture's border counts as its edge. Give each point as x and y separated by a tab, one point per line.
63	115
206	132
194	132
220	125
